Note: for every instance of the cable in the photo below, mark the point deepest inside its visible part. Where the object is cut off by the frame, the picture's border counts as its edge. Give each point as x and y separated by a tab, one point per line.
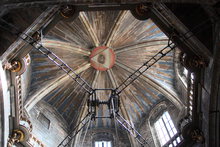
115	122
86	130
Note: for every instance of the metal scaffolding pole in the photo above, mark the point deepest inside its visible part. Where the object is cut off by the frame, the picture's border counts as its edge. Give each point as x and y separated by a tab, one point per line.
86	131
140	71
34	42
128	127
66	141
115	122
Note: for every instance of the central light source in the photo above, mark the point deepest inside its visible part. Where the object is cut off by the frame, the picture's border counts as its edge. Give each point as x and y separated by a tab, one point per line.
102	58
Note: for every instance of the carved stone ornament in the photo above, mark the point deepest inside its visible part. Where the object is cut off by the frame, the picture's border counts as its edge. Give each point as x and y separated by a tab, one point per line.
17	136
191	62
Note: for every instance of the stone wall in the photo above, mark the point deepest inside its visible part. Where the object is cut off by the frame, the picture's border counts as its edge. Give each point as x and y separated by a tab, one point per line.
209	102
146	129
5	107
49	134
105	134
180	79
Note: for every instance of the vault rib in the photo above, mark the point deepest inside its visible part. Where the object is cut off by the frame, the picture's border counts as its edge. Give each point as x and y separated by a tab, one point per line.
82	113
139	45
95	79
85	21
57	44
137	101
171	95
21	48
123	110
112	78
36	97
115	84
114	28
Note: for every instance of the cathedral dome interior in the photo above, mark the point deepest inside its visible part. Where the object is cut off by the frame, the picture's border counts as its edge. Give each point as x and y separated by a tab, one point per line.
109	74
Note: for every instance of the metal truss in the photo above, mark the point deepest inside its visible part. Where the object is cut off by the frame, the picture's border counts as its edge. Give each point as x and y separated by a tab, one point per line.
66	68
114	100
129	128
113	104
170	46
34	42
67	140
76	77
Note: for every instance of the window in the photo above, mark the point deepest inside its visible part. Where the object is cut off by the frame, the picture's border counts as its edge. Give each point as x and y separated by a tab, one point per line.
44	120
183	75
185	72
165	129
103	144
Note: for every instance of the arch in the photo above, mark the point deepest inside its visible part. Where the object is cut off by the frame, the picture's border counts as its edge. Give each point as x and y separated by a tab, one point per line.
5	107
157	112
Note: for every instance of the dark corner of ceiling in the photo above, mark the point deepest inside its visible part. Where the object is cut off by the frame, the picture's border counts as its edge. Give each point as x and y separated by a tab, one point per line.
197	19
20	17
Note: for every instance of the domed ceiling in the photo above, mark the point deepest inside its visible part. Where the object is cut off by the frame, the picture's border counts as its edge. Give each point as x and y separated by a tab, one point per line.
104	47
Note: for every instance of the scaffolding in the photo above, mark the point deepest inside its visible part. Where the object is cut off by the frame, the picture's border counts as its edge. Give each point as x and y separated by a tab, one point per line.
93	101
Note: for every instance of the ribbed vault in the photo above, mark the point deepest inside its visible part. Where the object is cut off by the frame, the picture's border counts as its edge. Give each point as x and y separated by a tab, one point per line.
133	43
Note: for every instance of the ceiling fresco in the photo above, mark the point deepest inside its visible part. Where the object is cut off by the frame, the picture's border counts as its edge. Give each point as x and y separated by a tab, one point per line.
104	47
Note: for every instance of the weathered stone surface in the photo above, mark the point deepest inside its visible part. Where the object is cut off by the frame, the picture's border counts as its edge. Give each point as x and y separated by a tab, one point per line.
57	130
105	134
133	43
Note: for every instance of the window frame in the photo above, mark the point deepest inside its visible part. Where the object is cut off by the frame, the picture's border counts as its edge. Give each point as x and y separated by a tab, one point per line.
103	136
104	141
168	126
44	120
155	114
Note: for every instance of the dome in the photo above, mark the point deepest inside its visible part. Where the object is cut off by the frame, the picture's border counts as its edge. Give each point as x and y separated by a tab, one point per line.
104	48
109	73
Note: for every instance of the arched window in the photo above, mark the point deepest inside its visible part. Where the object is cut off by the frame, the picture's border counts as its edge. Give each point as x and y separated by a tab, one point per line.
185	72
103	139
103	144
182	73
163	120
165	129
186	84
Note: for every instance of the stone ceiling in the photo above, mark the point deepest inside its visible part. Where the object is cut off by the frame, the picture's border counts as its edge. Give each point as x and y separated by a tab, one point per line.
132	42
